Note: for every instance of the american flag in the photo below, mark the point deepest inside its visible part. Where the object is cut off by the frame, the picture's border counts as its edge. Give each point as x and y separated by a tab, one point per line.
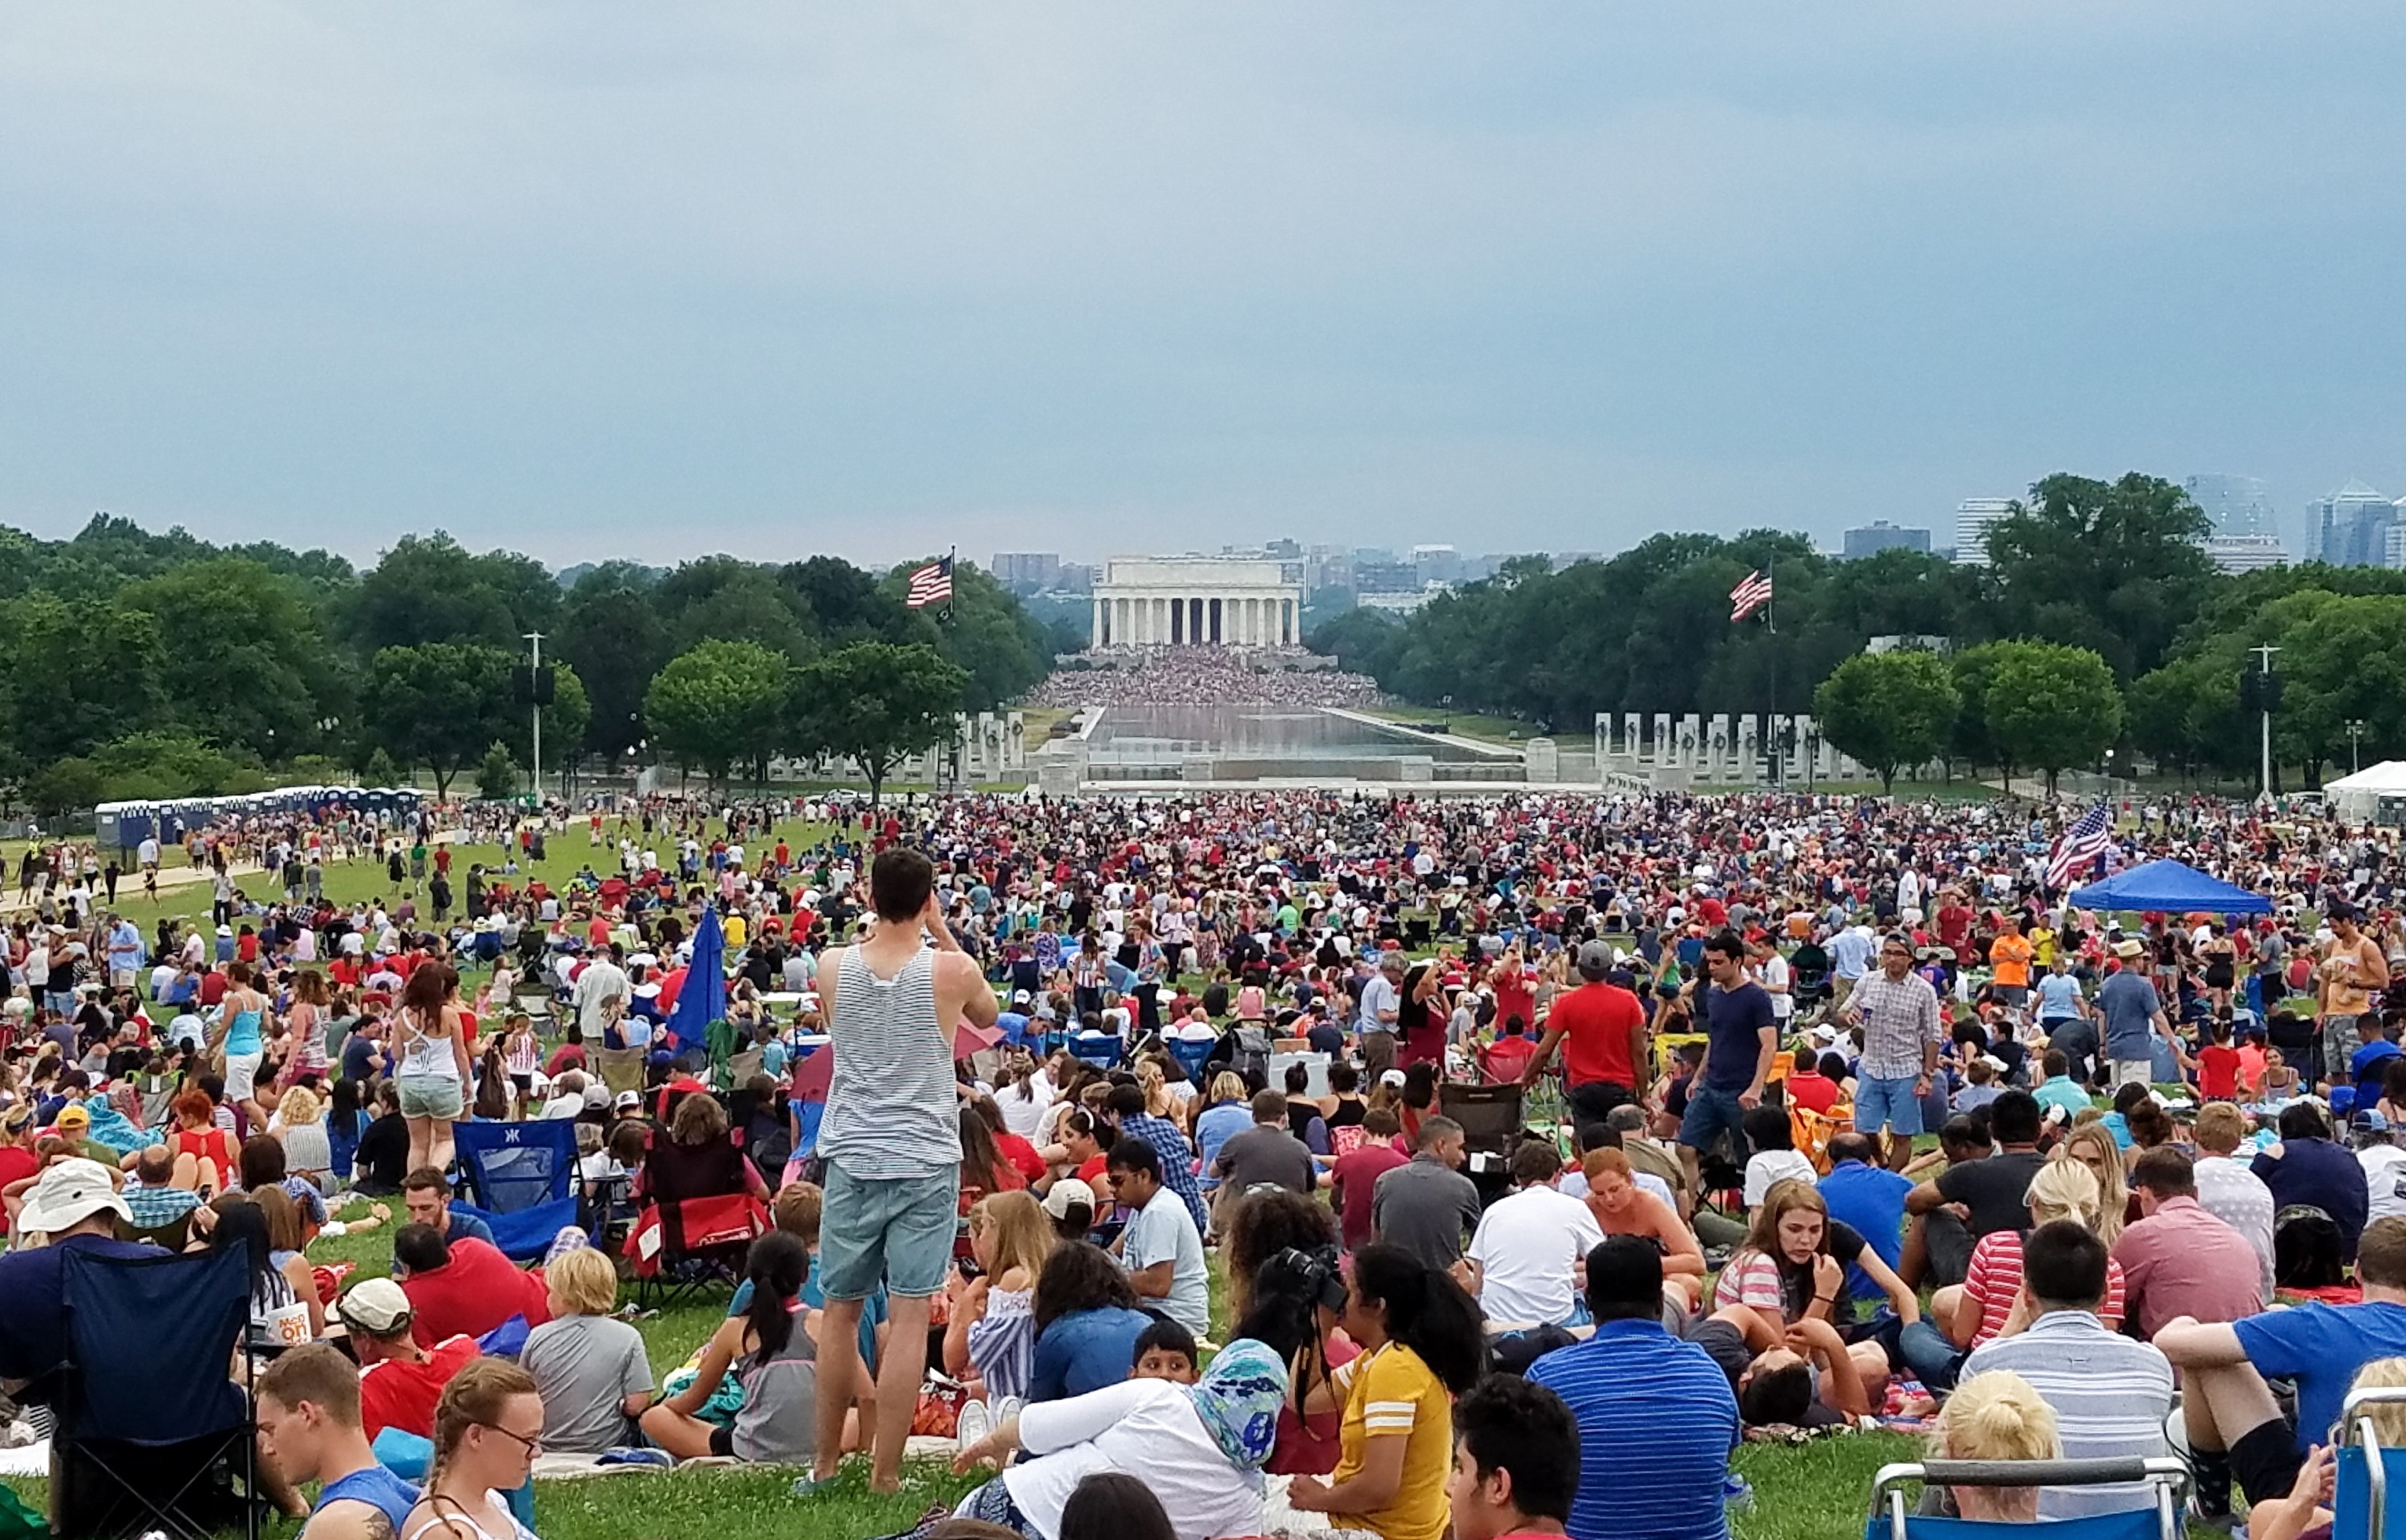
931	583
1750	595
2076	848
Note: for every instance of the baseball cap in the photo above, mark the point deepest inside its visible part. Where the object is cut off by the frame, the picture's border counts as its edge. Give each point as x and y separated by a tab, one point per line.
69	1193
73	1115
1595	962
1069	1190
377	1306
629	1101
2369	1122
1021	997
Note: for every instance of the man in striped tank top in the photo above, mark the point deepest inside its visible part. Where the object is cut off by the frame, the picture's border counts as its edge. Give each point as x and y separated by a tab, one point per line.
892	1142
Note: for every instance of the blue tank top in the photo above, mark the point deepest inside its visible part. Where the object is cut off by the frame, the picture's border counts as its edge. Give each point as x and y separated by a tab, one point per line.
377	1487
243	1036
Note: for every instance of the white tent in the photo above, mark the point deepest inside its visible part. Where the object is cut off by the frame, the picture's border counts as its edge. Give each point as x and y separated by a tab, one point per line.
2375	794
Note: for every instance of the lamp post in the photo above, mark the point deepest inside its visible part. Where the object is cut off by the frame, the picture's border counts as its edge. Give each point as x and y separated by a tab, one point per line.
2355	732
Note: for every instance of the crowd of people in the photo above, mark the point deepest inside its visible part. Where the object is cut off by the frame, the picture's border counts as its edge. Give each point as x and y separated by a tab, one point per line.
1071	1047
1203	676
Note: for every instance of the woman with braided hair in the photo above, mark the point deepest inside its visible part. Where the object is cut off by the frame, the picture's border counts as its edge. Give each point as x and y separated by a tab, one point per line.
488	1429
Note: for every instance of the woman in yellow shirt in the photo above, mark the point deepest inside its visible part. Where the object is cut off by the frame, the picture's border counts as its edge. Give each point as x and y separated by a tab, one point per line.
1422	1345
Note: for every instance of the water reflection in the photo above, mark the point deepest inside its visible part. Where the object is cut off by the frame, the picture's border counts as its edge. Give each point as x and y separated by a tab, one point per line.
1166	734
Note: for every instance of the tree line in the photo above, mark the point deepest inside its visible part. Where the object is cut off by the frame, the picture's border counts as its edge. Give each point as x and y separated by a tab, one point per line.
135	664
2098	623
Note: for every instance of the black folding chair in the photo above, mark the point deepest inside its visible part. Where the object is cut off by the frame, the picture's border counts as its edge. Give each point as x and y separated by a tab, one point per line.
152	1432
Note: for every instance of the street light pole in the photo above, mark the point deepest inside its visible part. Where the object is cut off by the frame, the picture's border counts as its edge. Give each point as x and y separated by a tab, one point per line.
2354	756
2264	653
535	689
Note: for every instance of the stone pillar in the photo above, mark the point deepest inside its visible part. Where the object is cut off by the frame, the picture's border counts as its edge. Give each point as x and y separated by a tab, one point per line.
1691	734
1749	766
1541	761
1717	751
1095	638
1662	753
1632	735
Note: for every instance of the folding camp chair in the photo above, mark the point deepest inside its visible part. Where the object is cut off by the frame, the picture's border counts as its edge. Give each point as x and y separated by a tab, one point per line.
677	1250
2360	1495
1892	1519
1100	1049
1810	1132
155	1439
523	1176
621	1068
1193	1055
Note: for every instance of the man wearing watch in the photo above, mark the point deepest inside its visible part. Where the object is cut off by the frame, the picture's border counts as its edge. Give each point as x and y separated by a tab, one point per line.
1903	1027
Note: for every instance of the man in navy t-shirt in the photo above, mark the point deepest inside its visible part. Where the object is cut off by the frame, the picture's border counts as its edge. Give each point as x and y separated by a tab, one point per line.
2235	1426
1740	1037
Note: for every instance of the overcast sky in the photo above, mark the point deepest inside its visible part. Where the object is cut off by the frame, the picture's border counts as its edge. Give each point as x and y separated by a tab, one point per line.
586	279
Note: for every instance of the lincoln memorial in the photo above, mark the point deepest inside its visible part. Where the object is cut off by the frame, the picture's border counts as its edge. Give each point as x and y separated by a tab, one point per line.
1189	600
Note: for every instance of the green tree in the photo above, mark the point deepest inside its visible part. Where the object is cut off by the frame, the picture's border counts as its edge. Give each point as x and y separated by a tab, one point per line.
497	773
987	635
438	705
722	599
873	702
2052	707
1889	710
428	589
243	658
612	633
65	786
77	675
2185	715
2112	566
1972	740
718	704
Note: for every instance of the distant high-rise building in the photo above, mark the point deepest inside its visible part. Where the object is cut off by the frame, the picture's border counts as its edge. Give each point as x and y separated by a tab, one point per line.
1028	572
2351	526
1436	564
2245	553
1880	535
1972	517
2393	547
2239	506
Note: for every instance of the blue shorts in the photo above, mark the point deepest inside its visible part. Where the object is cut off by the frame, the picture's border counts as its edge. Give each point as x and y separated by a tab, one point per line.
1710	1113
895	1231
1890	1102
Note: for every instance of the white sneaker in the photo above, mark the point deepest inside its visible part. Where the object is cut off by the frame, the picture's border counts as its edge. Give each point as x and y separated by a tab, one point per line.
976	1421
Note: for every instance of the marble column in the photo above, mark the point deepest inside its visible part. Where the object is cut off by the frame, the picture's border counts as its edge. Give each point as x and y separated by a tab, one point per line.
1096	637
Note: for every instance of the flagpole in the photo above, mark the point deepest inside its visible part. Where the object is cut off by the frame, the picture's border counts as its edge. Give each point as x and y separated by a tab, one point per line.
1770	722
953	571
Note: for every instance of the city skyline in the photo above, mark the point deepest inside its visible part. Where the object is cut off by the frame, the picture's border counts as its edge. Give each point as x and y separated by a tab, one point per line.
772	281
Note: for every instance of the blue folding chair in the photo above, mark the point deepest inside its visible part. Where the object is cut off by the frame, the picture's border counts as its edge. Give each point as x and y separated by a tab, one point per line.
1892	1518
523	1176
1193	1056
159	1439
2360	1495
1100	1049
808	1115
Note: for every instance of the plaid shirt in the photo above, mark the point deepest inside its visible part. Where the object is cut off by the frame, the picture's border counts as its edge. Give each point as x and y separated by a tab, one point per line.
154	1206
1899	1016
1177	1161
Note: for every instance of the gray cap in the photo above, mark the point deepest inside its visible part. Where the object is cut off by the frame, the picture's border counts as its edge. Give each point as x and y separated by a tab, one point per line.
1596	961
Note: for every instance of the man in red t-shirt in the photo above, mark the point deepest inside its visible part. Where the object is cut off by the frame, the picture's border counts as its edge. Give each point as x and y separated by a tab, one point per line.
1355	1175
1605	1027
463	1287
398	1380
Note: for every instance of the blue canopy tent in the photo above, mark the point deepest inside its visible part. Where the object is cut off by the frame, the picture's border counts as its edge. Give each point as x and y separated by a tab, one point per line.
2171	887
703	998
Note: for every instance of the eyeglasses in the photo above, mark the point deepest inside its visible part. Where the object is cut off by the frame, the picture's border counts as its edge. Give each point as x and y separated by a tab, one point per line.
533	1445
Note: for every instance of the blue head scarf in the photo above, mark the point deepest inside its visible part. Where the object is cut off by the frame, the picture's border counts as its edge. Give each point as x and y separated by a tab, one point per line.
1238	1399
